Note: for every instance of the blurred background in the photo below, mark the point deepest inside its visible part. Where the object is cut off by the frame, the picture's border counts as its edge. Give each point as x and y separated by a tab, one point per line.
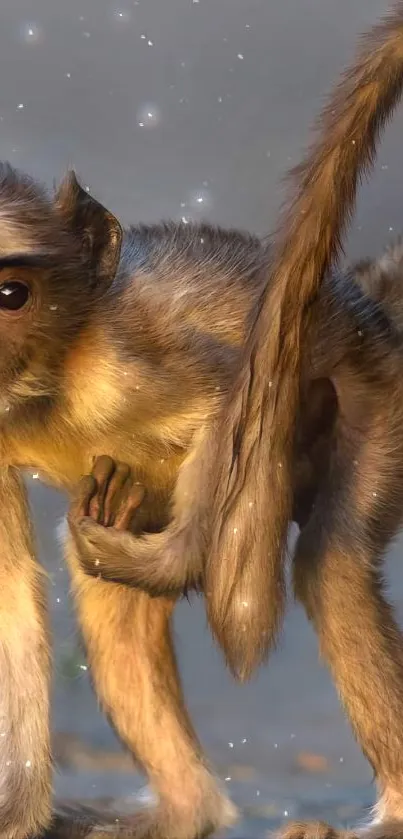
195	109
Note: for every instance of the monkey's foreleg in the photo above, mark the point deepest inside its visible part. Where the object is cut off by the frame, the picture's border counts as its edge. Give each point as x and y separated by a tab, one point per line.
25	766
131	656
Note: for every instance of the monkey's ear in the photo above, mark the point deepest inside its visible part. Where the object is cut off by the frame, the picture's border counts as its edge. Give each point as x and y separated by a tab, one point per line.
97	228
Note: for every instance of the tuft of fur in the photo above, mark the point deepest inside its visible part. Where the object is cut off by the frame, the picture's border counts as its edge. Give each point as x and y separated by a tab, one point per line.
247	474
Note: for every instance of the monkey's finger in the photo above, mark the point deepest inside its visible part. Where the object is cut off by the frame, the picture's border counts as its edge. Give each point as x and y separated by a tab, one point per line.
79	507
102	471
116	492
124	516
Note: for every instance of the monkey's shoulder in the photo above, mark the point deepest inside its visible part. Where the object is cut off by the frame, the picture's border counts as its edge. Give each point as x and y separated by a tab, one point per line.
191	276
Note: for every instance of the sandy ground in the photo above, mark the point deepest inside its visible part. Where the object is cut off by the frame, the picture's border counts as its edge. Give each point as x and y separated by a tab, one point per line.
195	109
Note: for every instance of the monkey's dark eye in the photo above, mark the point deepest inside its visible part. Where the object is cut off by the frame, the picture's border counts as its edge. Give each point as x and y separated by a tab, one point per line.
13	296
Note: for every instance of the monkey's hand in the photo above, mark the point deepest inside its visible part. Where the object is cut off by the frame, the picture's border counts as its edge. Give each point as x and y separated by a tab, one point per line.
100	518
109	496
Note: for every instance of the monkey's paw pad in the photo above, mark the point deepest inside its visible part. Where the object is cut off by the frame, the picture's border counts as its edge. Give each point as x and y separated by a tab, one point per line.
313	830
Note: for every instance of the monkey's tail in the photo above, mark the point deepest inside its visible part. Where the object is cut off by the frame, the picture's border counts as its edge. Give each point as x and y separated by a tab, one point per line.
252	470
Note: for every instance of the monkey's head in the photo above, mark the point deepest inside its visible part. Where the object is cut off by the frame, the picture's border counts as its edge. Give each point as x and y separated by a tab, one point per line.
58	259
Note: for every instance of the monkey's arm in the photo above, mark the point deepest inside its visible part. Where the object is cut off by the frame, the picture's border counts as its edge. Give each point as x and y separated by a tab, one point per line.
25	776
101	518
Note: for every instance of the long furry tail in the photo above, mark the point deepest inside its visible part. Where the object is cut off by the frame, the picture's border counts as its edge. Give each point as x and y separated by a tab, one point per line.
250	477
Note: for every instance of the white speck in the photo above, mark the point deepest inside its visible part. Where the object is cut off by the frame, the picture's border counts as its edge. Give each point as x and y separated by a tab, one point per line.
374	494
96	563
219	99
184	220
235	530
353	142
122	15
200	200
228	778
20	106
68	75
57	599
149	115
280	465
231	745
286	813
218	387
53	308
247	25
276	745
35	476
143	37
28	764
137	387
385	166
83	667
162	460
391	228
240	56
125	372
8	762
245	604
150	43
244	740
202	243
250	504
31	33
257	793
270	384
3	734
341	760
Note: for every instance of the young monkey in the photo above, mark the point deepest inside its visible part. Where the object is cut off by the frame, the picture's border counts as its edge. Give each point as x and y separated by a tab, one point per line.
314	416
158	348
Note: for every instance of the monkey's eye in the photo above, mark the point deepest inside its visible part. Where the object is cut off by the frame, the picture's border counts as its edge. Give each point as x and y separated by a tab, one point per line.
13	296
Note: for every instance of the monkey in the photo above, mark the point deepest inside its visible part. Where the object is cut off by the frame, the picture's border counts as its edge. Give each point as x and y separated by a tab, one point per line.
79	294
202	360
254	428
351	400
243	473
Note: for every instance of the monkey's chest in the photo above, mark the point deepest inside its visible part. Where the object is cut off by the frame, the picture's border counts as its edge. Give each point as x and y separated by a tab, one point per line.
61	463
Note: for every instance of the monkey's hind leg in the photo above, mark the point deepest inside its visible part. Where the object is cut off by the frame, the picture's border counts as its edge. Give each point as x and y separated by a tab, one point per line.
128	638
338	579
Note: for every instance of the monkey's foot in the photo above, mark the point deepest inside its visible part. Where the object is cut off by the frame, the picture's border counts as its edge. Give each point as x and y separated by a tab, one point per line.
109	496
147	823
313	830
321	830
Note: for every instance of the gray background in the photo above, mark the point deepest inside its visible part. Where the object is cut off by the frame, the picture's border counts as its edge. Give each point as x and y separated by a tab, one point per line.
195	109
